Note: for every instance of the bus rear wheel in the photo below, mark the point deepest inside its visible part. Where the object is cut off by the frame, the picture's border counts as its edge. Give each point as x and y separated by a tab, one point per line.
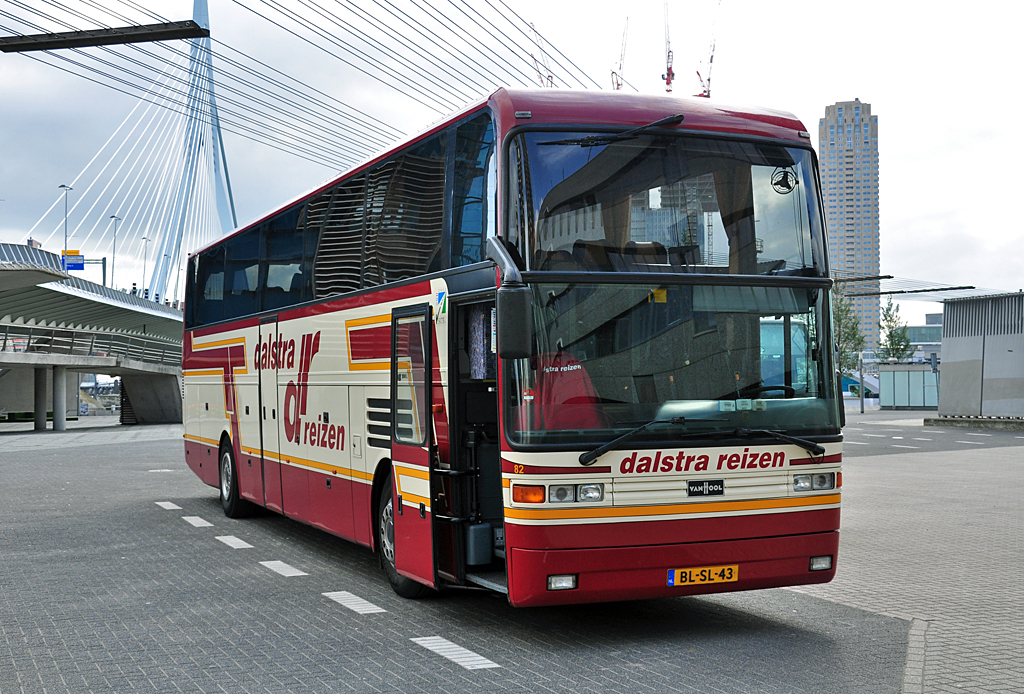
385	526
234	506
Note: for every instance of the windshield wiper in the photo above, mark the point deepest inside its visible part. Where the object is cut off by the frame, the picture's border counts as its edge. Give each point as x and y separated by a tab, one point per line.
809	446
589	458
607	139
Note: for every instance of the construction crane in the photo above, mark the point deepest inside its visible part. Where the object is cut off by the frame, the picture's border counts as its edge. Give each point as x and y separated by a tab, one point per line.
669	73
617	74
705	84
544	74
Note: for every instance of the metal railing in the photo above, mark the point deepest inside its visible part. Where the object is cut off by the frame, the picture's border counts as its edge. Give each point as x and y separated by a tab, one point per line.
20	338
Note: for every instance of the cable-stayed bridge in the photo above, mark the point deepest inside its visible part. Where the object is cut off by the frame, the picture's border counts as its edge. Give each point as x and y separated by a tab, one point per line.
160	186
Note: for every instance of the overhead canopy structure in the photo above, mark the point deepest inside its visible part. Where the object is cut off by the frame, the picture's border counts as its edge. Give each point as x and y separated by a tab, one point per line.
29	296
167	31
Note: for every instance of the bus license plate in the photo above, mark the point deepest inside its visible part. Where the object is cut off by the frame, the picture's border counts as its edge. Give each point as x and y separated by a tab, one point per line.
703	574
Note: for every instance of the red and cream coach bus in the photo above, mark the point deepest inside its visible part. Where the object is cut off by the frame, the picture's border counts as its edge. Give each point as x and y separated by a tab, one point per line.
573	347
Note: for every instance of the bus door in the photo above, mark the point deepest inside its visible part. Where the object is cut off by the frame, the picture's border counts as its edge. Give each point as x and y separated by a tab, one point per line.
412	443
270	444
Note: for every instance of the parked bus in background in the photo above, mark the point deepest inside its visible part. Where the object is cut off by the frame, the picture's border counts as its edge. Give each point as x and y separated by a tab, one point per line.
572	347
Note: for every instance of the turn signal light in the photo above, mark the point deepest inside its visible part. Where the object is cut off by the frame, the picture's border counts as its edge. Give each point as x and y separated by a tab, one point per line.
528	493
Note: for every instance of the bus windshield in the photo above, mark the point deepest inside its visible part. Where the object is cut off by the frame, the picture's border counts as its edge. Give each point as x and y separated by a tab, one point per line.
663	202
609	357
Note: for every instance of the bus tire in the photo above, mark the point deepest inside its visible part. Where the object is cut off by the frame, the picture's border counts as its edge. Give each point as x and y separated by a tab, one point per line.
234	506
385	527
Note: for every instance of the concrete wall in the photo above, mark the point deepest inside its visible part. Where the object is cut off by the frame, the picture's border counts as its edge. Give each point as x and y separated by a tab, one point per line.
17	391
1002	388
155	398
983	357
961	376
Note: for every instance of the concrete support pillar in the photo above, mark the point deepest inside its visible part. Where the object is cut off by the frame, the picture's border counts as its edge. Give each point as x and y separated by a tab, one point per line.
60	398
39	405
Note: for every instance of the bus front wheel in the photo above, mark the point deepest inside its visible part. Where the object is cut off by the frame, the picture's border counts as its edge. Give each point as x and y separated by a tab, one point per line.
234	506
406	587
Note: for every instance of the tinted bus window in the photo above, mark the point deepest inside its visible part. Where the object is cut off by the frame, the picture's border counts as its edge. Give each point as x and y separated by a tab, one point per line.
241	278
282	271
408	219
338	215
210	286
473	198
377	182
190	297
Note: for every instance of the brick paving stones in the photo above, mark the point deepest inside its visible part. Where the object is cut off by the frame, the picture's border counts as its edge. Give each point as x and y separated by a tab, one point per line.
104	590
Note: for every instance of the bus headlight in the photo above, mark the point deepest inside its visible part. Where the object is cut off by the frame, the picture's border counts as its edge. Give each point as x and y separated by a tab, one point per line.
589	492
801	483
824	480
561	493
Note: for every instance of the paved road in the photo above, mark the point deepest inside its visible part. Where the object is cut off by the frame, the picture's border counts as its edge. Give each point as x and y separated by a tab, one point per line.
102	589
890	433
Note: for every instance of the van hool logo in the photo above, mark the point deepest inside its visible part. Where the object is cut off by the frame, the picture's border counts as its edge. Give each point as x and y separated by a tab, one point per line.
680	462
705	487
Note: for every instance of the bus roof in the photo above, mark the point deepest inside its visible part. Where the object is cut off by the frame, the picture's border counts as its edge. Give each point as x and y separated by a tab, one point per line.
581	107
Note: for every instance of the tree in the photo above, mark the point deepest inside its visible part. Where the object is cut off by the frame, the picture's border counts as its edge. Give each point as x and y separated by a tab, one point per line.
894	344
849	340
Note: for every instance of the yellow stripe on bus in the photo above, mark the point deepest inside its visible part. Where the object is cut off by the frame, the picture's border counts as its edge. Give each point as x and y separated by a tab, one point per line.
218	343
365	365
200	439
670	509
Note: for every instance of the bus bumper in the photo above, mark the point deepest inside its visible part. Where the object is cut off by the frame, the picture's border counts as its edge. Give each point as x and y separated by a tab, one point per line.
635	573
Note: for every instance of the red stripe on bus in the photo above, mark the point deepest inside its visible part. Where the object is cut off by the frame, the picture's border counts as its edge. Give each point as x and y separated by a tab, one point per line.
589	535
370	343
837	458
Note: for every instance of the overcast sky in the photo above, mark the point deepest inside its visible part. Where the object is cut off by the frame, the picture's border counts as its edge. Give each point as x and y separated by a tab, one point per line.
944	85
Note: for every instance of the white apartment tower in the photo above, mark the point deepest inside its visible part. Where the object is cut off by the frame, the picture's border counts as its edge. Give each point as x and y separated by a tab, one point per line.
848	157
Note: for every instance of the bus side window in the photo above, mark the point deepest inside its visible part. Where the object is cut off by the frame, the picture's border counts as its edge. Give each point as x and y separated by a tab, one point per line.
210	287
409	241
337	214
284	251
472	205
242	275
190	294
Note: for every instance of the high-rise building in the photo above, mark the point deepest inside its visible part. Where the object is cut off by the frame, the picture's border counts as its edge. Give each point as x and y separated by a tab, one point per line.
848	157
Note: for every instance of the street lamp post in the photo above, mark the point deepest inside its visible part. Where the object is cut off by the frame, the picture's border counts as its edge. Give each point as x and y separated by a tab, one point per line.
860	360
113	258
145	251
66	190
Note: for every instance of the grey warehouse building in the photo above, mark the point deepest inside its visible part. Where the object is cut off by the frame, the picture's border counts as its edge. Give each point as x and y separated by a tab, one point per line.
983	357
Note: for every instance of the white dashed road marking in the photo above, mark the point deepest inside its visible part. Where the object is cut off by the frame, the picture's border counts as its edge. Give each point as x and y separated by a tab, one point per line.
896	445
234	542
169	505
969	433
897	437
876	436
922	439
353	602
197	522
974	443
858	443
162	470
456	654
283	569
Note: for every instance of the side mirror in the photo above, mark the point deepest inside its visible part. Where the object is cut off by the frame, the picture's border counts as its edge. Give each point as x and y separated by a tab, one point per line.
514	321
